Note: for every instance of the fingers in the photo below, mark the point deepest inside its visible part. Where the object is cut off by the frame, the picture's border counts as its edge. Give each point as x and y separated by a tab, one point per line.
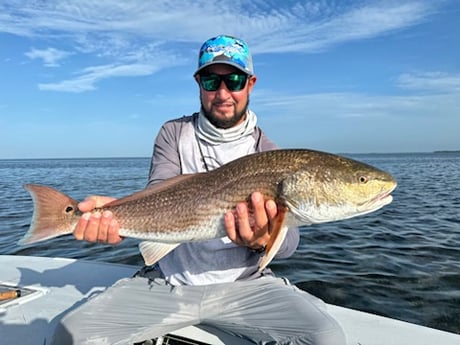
97	226
104	224
91	232
112	236
232	233
79	231
272	210
249	234
93	201
260	216
87	205
251	229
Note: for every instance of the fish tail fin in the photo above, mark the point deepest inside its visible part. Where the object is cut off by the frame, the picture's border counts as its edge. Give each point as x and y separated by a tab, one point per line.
276	239
55	214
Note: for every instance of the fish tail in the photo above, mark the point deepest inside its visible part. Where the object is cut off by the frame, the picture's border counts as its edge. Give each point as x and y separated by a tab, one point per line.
55	214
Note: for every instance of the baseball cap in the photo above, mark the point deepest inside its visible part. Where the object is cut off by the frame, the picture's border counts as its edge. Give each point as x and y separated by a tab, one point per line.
228	50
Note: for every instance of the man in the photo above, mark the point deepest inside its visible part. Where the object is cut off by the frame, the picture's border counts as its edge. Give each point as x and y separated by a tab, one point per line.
215	282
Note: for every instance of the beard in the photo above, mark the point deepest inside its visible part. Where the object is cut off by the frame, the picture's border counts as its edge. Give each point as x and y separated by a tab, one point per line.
225	123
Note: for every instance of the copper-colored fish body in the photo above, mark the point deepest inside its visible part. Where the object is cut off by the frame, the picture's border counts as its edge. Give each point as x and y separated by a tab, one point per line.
312	186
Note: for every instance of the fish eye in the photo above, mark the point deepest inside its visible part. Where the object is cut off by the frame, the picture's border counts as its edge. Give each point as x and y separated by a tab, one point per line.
69	209
363	179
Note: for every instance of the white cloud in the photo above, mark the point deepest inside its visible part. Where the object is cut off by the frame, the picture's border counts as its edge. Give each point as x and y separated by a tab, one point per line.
432	93
432	81
141	32
359	122
90	76
50	56
302	32
270	26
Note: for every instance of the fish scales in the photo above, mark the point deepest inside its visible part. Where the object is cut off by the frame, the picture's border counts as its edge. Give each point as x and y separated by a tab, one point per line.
197	203
313	187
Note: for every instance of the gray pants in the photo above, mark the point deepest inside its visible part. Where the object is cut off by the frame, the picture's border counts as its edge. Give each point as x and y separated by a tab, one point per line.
265	310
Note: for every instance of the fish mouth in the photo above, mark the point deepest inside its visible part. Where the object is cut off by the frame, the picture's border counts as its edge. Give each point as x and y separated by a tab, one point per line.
380	200
377	202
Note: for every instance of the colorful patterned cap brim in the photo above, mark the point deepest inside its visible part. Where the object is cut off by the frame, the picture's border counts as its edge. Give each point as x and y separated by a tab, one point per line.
228	50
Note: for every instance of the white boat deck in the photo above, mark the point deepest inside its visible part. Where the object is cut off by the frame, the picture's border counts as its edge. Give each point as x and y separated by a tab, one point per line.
51	286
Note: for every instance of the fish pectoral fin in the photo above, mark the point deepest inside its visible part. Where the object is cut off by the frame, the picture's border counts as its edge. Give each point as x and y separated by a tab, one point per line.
154	251
277	237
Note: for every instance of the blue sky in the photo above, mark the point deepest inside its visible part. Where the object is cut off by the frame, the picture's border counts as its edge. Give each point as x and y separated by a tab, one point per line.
98	78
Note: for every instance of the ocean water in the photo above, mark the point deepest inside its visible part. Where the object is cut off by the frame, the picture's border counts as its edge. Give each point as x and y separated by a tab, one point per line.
402	261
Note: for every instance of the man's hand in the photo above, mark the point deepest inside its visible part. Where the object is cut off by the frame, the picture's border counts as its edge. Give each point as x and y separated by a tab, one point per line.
251	230
97	227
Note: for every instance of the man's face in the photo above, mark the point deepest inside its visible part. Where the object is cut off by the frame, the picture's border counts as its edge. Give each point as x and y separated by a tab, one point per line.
225	108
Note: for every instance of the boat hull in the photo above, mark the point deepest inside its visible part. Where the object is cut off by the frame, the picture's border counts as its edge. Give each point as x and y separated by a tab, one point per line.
50	287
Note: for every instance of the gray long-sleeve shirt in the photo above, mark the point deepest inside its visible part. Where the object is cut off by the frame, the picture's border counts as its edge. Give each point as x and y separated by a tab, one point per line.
178	150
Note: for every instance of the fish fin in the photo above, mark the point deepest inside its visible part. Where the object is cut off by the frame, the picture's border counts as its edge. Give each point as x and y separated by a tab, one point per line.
155	188
154	251
277	237
54	214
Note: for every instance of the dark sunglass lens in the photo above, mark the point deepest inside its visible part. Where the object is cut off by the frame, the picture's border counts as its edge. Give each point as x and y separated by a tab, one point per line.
210	82
235	82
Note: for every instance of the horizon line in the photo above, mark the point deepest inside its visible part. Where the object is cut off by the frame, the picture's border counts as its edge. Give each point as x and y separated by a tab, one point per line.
148	157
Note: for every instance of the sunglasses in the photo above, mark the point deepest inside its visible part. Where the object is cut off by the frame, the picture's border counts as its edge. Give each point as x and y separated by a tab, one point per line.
233	81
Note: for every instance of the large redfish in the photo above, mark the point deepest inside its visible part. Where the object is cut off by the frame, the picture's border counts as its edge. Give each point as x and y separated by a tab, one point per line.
308	186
